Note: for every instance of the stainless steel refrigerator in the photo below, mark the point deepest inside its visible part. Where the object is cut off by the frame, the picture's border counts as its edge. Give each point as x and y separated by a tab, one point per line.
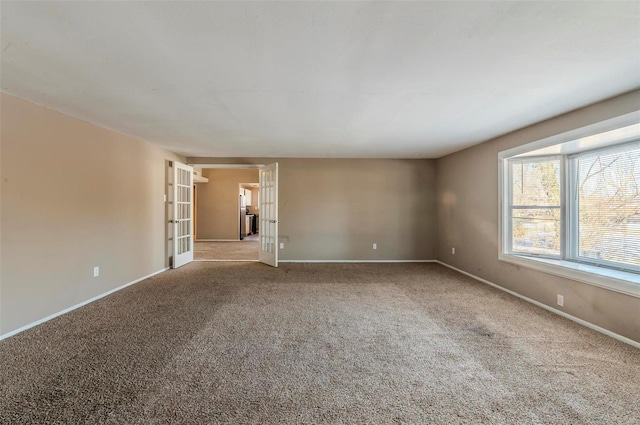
243	218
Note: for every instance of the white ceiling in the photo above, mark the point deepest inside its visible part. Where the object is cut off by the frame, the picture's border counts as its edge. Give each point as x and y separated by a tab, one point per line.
332	79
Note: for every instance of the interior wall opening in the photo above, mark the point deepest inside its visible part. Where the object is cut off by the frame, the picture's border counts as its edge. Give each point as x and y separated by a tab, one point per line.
227	215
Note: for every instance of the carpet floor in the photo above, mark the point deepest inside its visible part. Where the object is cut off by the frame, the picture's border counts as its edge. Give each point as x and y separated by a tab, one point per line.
315	343
247	249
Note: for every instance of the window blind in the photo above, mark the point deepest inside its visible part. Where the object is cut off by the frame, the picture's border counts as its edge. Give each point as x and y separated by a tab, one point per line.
608	205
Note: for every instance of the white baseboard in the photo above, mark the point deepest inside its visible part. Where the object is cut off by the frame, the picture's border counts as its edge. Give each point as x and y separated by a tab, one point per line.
357	261
227	261
515	294
217	240
66	310
546	307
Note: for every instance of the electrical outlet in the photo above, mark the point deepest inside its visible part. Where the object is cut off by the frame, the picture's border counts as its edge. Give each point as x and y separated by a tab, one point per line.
560	300
453	250
375	246
281	245
96	271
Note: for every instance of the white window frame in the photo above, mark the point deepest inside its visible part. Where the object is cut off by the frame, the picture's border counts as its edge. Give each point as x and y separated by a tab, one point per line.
572	252
509	216
568	265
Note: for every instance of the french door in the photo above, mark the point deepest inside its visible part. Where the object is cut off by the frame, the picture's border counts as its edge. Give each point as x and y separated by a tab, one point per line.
269	214
182	214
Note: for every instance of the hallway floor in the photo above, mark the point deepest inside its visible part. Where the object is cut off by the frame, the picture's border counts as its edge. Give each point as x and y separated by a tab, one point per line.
246	249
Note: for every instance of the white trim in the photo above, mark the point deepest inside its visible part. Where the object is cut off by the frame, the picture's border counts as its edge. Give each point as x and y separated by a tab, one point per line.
67	310
219	240
180	258
509	206
589	130
567	265
229	261
227	165
551	309
268	182
625	282
358	261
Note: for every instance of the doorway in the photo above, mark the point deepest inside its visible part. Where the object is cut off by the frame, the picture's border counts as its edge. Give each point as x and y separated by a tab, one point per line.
249	211
227	215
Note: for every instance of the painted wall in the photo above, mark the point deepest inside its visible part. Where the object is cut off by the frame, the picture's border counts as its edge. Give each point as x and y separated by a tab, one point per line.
468	220
335	209
254	208
218	202
74	196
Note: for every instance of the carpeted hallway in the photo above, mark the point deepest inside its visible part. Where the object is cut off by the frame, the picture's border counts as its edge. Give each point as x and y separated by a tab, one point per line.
245	250
315	343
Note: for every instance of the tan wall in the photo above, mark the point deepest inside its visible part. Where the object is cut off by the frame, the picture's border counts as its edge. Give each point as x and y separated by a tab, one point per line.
335	209
74	196
218	202
468	220
255	208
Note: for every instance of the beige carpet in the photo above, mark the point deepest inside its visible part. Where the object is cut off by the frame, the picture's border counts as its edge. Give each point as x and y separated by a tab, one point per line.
315	343
247	249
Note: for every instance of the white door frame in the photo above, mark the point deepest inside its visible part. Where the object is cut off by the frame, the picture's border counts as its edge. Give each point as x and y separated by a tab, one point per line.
269	214
182	214
258	166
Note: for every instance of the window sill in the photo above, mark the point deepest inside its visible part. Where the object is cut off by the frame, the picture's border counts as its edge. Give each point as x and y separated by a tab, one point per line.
614	280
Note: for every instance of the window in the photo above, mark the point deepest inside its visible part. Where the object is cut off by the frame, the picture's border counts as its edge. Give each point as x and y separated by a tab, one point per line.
573	208
607	207
536	206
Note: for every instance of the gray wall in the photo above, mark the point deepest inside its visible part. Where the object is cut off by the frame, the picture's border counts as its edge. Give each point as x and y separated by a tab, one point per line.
74	196
335	209
468	219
